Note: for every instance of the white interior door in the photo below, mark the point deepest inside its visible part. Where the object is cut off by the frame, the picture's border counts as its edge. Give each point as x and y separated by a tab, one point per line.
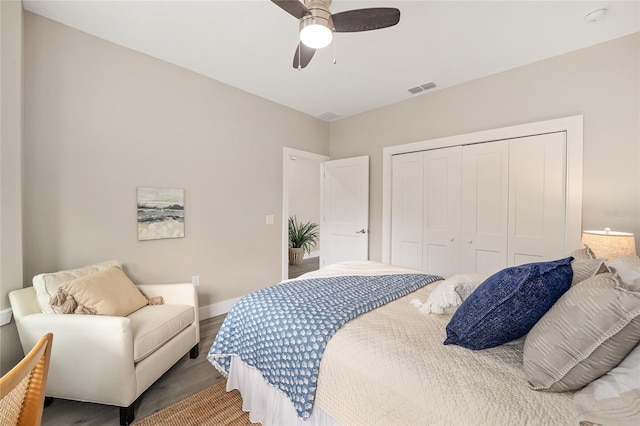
485	174
442	186
407	209
537	192
344	222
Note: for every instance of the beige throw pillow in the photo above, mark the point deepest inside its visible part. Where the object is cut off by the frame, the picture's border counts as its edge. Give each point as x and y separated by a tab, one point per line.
108	292
47	283
588	331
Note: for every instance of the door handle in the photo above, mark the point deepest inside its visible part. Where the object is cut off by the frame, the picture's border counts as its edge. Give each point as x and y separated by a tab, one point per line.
362	231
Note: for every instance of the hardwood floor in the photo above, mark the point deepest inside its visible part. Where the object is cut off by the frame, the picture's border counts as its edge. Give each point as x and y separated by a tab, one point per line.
309	264
184	379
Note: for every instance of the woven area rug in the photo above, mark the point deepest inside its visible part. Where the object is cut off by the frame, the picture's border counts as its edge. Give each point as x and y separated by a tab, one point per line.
212	406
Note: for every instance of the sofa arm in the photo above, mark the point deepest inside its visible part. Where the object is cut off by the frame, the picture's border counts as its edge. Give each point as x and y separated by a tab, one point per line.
86	350
24	302
180	294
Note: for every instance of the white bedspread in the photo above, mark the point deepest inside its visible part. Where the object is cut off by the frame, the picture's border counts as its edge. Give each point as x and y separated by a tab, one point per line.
389	367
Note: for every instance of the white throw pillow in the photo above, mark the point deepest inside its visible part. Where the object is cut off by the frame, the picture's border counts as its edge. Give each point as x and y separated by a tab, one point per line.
450	294
46	284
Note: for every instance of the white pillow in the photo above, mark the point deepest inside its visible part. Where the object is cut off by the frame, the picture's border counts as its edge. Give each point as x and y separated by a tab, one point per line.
628	269
46	284
614	398
450	294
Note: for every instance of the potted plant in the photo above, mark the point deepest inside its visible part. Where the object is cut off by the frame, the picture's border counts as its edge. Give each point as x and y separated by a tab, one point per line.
302	237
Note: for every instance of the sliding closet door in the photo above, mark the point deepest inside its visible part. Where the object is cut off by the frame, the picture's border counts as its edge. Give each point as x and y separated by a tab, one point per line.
406	210
441	223
537	193
485	180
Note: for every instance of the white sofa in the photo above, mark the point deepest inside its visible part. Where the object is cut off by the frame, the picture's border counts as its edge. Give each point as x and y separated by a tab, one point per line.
108	359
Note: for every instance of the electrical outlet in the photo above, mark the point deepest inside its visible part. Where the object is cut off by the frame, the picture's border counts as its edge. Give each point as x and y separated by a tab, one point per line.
195	280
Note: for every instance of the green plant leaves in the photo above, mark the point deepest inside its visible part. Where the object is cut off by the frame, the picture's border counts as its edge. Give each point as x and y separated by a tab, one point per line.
303	235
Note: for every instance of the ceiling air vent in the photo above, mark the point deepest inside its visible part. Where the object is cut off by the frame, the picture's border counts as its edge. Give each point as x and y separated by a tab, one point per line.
422	88
328	116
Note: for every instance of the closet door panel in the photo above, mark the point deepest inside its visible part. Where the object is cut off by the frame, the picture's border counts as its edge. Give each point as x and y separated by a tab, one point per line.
442	184
537	194
407	210
485	174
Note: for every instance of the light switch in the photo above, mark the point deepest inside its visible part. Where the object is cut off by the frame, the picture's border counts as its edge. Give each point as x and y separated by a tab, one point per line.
270	219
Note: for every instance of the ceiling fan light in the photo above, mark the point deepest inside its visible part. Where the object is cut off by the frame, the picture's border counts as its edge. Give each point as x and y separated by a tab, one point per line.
315	34
316	31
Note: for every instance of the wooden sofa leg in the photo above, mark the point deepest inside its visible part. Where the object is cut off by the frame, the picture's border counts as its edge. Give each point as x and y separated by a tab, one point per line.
195	351
126	415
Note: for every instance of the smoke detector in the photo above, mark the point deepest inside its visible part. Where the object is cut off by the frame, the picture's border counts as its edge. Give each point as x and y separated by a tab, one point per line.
595	15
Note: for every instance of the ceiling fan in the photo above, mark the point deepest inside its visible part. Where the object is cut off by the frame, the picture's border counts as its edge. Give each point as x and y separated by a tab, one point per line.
317	24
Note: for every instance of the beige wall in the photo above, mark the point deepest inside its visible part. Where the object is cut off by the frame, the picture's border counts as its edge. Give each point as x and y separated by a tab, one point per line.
10	171
101	120
601	82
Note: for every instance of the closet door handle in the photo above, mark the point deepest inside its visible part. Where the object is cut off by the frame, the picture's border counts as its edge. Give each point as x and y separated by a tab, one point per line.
362	231
469	241
451	239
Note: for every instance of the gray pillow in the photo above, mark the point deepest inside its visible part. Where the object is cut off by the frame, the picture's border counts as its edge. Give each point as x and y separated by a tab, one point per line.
628	268
587	268
613	398
583	253
588	331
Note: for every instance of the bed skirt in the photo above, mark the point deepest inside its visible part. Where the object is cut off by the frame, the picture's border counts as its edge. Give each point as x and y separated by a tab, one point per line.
265	403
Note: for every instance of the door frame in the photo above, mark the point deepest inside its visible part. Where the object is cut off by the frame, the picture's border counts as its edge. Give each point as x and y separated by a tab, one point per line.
572	126
287	155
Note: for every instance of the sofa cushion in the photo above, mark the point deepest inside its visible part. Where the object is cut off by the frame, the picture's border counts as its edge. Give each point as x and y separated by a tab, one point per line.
154	325
108	292
46	284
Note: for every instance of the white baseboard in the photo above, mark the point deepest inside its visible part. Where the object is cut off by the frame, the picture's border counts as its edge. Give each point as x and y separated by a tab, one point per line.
5	316
216	309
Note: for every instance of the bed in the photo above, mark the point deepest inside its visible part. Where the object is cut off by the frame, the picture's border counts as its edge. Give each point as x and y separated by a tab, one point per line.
389	366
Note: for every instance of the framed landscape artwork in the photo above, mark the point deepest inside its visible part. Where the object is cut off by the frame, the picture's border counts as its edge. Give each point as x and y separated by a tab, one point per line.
160	213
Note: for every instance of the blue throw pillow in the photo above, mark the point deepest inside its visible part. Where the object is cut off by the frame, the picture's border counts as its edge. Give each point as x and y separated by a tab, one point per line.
508	304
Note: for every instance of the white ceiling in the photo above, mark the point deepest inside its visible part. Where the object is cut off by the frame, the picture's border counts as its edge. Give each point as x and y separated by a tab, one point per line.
250	44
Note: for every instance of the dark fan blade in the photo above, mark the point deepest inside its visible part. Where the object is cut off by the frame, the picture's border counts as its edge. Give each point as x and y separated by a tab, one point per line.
303	55
293	7
365	19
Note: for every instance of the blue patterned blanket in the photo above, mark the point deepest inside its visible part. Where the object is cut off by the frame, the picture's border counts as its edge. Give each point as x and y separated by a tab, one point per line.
282	330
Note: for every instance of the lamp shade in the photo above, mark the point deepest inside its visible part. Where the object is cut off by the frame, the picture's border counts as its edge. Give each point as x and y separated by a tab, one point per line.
608	244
